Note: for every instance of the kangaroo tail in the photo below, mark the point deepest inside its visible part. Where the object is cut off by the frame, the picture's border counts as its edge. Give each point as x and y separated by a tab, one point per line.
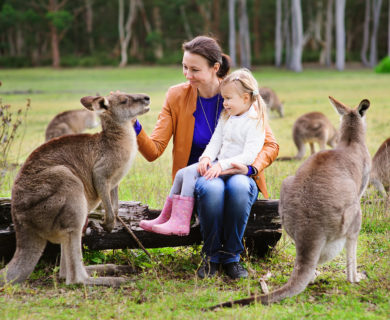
29	248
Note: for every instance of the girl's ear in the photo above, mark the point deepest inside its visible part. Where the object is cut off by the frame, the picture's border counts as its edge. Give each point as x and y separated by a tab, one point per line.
246	97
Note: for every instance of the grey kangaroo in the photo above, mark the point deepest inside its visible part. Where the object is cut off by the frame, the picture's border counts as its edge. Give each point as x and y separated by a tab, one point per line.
380	172
271	100
320	205
71	122
64	179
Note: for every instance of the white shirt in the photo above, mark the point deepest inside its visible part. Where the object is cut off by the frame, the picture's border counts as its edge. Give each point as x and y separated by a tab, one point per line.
236	139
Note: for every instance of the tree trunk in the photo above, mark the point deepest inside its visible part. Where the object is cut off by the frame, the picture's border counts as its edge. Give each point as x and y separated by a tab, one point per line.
125	30
287	32
245	49
89	24
187	27
205	12
55	50
278	34
340	35
297	36
376	10
262	231
232	32
256	29
328	33
158	51
216	18
366	33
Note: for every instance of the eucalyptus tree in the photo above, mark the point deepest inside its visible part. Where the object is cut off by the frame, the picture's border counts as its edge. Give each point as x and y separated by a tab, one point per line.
125	28
340	35
232	32
376	9
297	36
245	48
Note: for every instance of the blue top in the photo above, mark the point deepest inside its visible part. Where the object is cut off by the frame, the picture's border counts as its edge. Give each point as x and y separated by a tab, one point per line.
202	133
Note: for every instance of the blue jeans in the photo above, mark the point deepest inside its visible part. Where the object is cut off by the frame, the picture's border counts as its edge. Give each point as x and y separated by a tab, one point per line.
223	205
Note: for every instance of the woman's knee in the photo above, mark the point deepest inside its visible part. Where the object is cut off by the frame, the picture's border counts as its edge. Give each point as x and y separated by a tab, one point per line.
211	188
241	186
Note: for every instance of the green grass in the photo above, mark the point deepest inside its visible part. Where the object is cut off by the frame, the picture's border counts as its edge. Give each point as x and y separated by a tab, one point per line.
155	293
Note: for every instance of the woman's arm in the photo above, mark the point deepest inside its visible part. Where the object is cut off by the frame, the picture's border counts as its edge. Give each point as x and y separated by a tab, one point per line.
152	147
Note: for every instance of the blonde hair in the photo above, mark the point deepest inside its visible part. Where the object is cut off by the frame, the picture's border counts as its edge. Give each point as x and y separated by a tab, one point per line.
246	83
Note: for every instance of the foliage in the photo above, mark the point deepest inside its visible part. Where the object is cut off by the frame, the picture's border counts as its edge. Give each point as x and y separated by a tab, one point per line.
10	124
383	66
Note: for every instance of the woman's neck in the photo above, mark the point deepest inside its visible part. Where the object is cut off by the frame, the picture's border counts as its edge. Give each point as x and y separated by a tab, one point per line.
210	90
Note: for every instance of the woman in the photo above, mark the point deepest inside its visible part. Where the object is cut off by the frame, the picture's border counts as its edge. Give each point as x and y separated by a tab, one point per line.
190	114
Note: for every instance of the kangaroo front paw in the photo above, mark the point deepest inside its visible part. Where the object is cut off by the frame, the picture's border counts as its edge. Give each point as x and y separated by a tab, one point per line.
108	226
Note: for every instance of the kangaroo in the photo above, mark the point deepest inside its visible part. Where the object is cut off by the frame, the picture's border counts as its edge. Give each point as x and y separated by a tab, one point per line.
71	122
380	172
320	205
64	179
271	100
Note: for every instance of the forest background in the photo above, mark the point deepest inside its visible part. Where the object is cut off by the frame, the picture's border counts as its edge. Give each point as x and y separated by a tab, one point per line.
280	32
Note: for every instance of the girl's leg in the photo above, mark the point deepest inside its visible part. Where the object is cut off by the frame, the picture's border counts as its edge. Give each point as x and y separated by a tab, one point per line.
210	195
183	205
240	194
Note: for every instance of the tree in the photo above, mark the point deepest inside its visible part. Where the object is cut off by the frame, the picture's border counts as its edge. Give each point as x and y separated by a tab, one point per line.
376	9
232	32
278	34
340	35
89	24
366	33
245	49
328	33
125	30
297	36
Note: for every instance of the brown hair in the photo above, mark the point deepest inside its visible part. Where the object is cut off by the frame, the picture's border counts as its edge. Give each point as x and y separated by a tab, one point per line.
209	49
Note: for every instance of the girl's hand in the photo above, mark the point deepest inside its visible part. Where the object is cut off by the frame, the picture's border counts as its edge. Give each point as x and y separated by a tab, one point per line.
238	168
203	165
213	172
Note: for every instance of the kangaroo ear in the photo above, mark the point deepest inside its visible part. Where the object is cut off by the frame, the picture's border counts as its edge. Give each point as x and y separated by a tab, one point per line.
87	102
340	108
363	107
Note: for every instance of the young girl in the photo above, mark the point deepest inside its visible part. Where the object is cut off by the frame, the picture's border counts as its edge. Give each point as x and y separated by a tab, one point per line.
238	138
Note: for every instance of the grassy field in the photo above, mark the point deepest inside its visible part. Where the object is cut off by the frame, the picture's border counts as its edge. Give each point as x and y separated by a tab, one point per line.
155	293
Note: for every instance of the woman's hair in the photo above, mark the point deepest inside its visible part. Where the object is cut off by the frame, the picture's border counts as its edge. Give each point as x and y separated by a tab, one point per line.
209	49
246	83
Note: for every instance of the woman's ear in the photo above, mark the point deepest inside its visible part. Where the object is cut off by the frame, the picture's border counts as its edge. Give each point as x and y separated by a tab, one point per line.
216	67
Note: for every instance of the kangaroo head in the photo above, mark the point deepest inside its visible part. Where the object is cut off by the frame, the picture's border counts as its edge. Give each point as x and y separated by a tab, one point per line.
353	121
119	106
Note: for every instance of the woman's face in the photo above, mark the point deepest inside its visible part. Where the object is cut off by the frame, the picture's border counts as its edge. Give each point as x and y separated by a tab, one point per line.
197	71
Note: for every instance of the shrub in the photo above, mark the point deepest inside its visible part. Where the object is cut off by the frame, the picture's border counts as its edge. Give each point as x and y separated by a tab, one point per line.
383	66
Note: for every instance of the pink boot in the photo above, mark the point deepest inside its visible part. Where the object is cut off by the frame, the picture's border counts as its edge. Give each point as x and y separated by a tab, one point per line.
163	217
179	223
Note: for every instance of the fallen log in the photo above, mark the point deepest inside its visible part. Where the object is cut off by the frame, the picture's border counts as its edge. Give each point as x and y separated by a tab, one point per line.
262	232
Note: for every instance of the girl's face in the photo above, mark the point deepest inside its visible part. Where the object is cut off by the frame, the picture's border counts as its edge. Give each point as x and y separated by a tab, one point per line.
234	102
197	71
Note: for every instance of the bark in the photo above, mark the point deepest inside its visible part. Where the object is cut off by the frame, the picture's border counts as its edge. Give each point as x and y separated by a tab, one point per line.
125	30
89	24
366	33
158	51
216	18
256	29
245	49
205	12
262	232
278	34
340	35
187	27
328	33
287	32
232	32
297	36
376	10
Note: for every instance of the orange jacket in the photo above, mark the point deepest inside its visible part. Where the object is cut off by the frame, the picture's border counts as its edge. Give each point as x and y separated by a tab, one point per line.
176	119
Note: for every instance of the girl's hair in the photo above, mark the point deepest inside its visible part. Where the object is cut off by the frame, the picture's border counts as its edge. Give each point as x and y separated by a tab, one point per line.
246	83
209	49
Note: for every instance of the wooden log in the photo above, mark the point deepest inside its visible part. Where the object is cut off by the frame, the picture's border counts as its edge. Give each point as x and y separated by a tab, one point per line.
262	232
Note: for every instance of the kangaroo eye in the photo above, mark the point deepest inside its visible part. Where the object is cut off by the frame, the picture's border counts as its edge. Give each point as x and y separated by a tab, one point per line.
123	101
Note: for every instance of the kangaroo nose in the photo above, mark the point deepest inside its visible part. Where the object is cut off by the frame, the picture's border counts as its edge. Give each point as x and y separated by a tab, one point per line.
147	98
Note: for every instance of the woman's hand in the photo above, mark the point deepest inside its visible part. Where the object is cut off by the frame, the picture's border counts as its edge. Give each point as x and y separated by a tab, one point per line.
238	168
213	172
203	165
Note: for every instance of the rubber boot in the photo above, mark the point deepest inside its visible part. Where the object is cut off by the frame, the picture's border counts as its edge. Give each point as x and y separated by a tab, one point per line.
179	222
163	217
